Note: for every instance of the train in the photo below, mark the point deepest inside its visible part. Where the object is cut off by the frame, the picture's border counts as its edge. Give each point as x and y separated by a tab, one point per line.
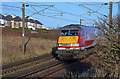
73	39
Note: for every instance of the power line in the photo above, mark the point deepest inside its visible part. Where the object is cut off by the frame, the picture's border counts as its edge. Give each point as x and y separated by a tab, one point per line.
55	17
63	11
40	11
99	8
9	9
55	9
94	4
59	18
10	6
89	9
67	12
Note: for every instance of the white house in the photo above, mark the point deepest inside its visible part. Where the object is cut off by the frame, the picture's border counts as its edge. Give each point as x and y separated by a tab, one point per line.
43	27
30	24
3	21
38	24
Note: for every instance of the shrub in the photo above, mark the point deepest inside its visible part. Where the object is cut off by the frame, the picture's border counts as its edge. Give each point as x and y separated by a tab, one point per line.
109	55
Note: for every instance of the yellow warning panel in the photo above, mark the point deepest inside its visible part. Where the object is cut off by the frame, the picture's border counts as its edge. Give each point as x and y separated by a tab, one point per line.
68	39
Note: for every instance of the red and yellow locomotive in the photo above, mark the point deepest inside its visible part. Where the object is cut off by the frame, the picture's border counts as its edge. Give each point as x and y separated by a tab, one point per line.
74	38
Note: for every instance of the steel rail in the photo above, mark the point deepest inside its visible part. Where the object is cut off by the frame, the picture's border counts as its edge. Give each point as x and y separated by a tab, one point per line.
23	66
6	66
33	73
54	71
62	68
39	70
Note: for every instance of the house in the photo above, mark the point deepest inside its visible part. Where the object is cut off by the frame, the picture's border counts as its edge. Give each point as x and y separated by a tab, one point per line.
47	28
39	24
4	21
15	21
31	24
10	18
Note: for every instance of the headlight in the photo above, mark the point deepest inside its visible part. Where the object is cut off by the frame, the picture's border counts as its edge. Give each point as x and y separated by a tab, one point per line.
79	44
74	44
60	44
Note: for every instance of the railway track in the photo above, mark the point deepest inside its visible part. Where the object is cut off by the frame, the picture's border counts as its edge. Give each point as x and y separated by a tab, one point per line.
10	65
49	70
39	68
11	70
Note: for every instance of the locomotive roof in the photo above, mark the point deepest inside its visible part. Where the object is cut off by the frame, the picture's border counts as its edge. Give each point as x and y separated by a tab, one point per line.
76	26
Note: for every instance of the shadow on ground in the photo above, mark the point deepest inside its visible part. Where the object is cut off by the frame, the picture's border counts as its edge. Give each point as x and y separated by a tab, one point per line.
79	69
54	54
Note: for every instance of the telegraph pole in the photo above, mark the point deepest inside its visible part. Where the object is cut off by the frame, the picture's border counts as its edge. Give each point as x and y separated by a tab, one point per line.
110	14
119	16
23	23
80	22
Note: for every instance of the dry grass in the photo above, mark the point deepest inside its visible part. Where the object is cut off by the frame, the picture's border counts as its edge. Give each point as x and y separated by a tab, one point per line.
12	48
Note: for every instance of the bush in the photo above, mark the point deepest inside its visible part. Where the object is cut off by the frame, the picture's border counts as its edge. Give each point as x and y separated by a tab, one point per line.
109	55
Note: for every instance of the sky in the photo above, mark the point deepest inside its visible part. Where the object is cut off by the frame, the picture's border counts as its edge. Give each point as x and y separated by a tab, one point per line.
62	13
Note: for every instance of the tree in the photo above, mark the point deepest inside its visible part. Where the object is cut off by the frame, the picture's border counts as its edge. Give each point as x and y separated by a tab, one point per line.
109	55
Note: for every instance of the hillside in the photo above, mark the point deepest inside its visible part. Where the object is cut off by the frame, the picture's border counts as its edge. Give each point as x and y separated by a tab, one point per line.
51	35
39	44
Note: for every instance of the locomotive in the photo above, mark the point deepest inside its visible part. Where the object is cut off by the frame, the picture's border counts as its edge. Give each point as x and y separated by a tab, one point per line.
73	39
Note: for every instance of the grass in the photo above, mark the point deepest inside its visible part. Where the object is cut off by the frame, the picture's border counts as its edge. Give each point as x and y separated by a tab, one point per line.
12	48
18	29
41	30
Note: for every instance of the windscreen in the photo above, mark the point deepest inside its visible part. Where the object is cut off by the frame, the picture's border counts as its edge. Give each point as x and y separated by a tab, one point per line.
74	32
64	32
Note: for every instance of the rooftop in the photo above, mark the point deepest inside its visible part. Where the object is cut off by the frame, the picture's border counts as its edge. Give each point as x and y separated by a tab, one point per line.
3	17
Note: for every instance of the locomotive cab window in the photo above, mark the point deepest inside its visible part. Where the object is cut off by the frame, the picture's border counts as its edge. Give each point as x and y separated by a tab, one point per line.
74	32
64	32
83	32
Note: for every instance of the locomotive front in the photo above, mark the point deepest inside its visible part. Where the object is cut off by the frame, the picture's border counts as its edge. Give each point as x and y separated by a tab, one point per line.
68	43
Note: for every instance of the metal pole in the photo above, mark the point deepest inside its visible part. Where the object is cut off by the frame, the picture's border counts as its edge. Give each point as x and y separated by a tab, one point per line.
23	19
93	24
110	14
119	17
80	22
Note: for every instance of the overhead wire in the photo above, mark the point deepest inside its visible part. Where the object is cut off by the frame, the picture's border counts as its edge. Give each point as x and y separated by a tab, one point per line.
99	8
57	10
52	10
9	9
70	13
10	6
89	9
60	18
54	17
39	11
66	12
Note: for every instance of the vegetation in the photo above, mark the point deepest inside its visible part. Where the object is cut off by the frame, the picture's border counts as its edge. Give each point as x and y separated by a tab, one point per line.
106	60
12	48
18	29
42	30
38	44
108	55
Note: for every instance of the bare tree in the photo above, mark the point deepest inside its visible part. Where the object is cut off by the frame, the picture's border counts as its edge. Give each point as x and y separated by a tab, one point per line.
109	55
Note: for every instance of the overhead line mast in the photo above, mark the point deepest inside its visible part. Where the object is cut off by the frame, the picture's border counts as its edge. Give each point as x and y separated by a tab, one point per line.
110	14
23	23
